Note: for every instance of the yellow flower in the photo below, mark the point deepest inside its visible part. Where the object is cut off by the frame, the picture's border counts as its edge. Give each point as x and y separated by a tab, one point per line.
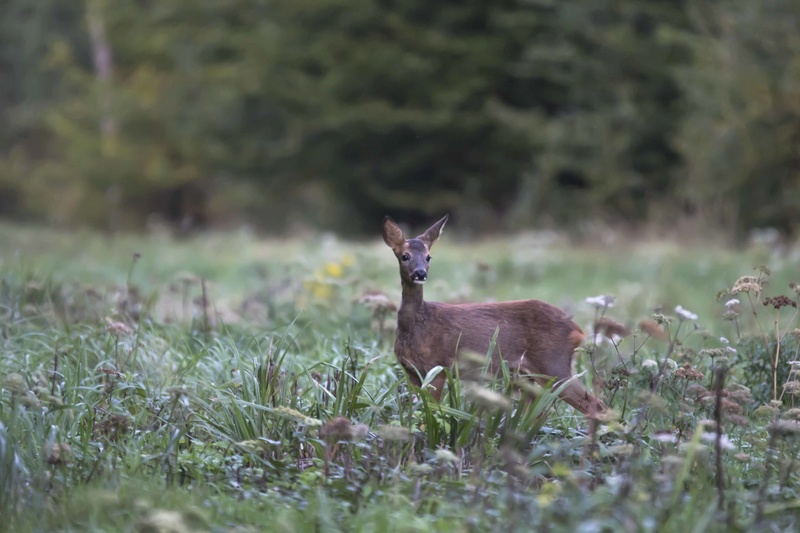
334	270
548	494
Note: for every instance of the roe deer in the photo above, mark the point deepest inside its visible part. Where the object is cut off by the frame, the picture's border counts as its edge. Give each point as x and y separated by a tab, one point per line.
535	337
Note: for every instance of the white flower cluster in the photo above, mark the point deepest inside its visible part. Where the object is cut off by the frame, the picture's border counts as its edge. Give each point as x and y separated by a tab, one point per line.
601	302
685	313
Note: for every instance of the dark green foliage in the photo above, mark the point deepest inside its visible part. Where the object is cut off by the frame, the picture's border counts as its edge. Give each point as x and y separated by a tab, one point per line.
330	112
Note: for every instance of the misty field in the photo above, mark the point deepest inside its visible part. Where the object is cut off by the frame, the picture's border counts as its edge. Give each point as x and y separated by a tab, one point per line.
230	383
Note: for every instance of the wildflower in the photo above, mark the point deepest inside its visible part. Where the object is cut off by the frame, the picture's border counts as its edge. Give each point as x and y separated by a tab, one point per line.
486	398
729	406
746	284
739	393
779	301
360	431
611	328
688	373
377	301
650	365
661	319
765	411
723	340
394	433
57	453
118	329
697	390
297	415
15	384
795	365
792	387
792	414
601	302
733	302
784	428
652	328
724	442
685	313
337	429
664	437
621	450
334	270
737	420
446	457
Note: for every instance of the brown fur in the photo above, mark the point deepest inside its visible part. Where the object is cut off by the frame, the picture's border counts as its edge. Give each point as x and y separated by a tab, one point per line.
533	336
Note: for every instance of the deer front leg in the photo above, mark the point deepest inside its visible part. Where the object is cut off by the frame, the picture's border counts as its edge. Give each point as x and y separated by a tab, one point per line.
581	399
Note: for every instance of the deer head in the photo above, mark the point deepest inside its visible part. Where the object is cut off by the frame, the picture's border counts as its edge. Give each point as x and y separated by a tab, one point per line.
413	255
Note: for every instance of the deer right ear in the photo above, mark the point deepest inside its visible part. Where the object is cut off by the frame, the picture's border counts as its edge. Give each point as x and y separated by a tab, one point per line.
433	232
392	234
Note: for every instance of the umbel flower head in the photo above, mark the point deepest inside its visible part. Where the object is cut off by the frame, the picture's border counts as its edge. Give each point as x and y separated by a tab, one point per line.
601	302
747	284
685	313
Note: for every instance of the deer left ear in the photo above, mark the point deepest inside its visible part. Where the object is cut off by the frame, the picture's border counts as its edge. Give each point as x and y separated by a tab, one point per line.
434	232
392	234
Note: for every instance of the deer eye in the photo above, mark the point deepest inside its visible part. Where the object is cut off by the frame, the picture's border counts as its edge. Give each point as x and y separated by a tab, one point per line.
405	257
428	259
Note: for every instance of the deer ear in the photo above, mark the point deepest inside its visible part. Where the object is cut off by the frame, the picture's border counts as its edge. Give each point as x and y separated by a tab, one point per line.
433	232
392	234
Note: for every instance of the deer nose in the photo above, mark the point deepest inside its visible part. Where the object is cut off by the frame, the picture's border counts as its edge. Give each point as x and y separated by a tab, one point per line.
419	276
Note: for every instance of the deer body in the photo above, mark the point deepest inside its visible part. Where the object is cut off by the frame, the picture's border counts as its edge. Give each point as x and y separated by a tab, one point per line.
533	336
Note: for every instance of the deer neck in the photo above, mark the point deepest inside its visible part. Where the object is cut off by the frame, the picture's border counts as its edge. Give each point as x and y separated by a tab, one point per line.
410	306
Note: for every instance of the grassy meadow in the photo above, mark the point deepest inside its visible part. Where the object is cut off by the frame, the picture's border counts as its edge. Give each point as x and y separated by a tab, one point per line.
231	383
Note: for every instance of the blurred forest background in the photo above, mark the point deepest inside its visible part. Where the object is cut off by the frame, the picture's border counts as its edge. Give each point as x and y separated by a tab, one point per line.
510	114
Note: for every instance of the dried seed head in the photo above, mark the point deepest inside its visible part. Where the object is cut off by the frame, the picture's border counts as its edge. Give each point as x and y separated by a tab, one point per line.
297	415
609	328
118	329
780	301
337	429
737	420
792	414
445	457
57	453
377	301
765	411
784	428
652	328
688	373
739	394
724	442
15	384
729	406
394	433
792	387
485	398
747	284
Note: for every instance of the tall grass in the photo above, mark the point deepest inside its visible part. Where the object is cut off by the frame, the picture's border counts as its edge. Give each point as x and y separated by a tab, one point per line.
223	395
